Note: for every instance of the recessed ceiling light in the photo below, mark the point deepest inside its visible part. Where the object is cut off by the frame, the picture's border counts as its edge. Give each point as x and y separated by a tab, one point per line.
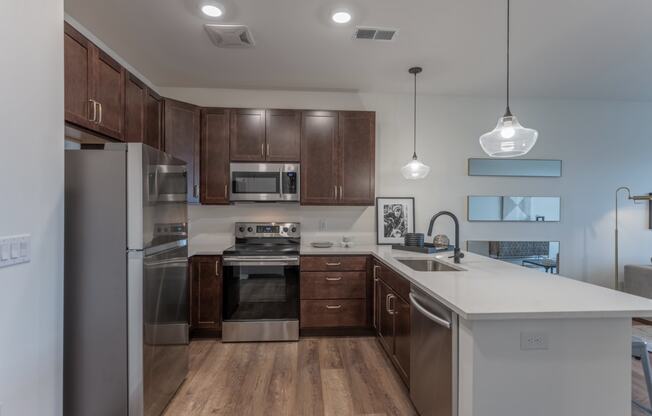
341	17
211	10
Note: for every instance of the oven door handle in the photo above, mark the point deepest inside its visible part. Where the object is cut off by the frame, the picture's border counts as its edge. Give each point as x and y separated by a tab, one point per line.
261	261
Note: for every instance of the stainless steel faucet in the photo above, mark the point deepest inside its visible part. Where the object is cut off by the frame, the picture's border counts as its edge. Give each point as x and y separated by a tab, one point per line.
457	253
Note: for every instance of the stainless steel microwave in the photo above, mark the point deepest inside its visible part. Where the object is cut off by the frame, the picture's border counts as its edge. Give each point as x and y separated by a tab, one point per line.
265	182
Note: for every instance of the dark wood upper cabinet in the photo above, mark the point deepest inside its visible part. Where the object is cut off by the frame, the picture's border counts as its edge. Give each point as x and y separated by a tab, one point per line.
247	135
135	110
214	166
182	136
94	86
283	135
318	156
206	295
77	60
153	120
357	151
108	90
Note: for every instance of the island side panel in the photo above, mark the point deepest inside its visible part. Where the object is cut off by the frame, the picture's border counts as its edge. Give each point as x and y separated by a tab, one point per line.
586	369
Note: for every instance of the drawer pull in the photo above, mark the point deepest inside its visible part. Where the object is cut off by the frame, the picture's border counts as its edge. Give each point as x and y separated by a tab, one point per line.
334	279
333	306
334	264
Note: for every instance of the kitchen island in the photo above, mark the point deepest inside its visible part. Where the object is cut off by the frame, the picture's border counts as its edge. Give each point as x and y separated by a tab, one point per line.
526	342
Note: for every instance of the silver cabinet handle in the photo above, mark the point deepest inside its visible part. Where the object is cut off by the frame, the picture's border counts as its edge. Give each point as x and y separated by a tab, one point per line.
262	150
340	192
375	302
333	306
436	319
334	264
391	310
334	279
267	149
376	268
100	118
335	187
226	191
387	304
94	118
195	191
217	268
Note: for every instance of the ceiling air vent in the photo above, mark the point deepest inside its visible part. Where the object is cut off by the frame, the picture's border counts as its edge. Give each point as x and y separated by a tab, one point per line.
371	33
230	36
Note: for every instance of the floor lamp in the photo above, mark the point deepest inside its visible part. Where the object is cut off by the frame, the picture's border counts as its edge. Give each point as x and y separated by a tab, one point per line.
635	198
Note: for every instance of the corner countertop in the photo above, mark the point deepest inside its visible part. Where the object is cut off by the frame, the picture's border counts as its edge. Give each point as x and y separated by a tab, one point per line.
489	289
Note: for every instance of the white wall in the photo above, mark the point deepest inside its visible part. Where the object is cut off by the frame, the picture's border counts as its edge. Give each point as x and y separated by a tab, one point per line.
602	144
31	182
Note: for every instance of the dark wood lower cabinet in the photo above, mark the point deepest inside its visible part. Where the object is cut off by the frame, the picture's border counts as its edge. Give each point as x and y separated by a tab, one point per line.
205	296
392	320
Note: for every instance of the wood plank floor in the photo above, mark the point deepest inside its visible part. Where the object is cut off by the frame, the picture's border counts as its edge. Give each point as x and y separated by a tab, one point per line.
315	376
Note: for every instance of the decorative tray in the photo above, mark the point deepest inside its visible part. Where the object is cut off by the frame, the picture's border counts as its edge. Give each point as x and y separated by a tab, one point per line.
427	248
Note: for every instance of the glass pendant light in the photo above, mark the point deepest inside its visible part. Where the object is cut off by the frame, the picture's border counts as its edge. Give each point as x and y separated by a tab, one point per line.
415	169
509	138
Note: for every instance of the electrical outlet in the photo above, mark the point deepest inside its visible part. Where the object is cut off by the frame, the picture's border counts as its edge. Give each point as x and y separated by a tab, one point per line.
322	225
534	341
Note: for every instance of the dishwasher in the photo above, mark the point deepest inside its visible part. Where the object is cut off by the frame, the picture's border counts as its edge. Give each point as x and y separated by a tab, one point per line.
433	356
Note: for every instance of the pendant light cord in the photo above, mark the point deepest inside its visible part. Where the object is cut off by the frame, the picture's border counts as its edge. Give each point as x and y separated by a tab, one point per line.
507	110
414	155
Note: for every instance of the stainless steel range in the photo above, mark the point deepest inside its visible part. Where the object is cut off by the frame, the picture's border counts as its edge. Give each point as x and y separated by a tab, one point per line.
261	283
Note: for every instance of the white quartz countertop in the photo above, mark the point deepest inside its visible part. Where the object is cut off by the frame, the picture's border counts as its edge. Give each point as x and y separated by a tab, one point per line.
491	289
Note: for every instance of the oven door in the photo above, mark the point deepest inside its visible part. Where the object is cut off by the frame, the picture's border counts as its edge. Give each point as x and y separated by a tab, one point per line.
264	182
261	298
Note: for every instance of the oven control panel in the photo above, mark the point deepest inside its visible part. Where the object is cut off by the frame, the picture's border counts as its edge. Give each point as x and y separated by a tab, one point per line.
267	229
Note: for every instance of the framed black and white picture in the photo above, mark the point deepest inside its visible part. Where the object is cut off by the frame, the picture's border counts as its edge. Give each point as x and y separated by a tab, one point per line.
394	219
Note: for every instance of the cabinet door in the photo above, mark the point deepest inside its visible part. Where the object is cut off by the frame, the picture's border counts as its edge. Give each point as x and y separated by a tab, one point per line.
153	120
182	130
107	88
206	293
214	165
318	157
77	58
248	135
135	109
283	135
357	154
401	310
385	318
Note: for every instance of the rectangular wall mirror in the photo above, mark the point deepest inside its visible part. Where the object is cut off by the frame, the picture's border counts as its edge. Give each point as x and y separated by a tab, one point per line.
539	255
514	208
515	167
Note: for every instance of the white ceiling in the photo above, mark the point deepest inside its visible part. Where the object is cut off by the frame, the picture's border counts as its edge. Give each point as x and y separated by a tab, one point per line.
597	49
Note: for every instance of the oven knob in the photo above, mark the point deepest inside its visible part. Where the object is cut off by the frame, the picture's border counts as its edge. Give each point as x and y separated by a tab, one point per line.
294	229
241	229
285	229
249	229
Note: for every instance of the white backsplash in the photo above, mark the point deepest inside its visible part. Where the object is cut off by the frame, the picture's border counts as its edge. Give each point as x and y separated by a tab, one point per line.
212	227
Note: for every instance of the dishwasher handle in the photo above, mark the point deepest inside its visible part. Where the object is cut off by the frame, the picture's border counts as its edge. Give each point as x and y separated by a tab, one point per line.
436	319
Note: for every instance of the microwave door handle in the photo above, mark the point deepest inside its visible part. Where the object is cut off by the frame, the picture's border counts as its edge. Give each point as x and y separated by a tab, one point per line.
281	173
156	194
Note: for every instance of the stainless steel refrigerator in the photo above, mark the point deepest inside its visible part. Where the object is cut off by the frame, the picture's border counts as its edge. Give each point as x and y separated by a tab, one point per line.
125	290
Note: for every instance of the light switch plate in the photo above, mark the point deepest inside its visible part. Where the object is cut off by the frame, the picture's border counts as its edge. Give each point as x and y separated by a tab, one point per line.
15	249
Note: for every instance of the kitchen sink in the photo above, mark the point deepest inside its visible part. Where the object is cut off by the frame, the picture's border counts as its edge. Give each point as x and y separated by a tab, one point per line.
425	265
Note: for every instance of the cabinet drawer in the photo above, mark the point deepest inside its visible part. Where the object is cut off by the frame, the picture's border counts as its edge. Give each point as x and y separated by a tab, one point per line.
337	263
333	285
333	313
400	285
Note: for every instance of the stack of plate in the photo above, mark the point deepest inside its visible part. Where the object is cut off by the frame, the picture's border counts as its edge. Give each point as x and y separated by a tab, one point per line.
414	239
